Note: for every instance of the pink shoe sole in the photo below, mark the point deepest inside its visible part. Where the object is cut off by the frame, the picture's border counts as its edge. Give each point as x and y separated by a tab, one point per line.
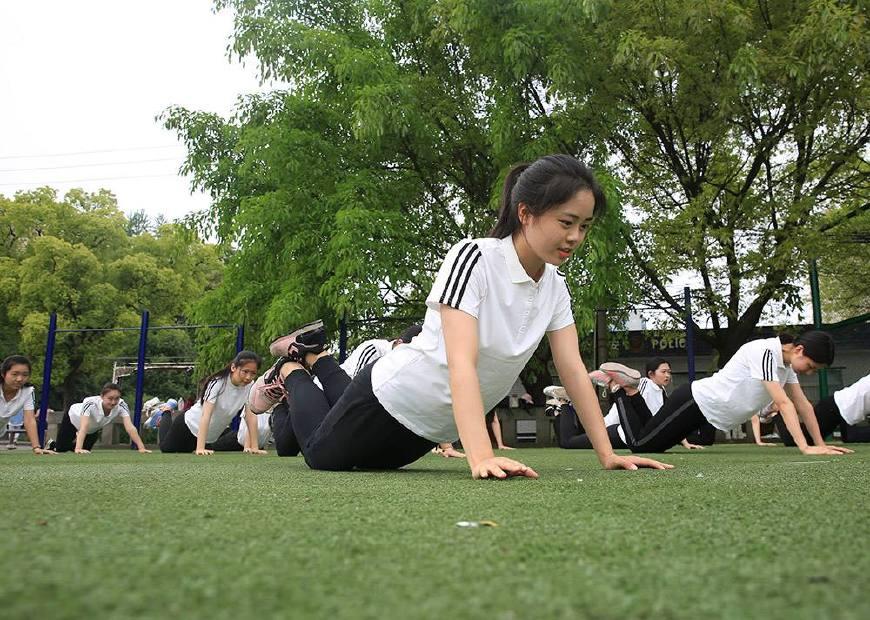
620	374
281	346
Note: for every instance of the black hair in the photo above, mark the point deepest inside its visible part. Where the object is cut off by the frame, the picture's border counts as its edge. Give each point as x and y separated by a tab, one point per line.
9	362
818	346
548	181
108	387
241	357
410	333
786	338
653	365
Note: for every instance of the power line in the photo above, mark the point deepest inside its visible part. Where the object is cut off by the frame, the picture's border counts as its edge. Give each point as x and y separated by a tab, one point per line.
108	163
62	182
131	148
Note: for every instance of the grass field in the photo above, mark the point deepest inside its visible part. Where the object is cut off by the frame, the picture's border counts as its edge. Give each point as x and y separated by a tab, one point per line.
733	532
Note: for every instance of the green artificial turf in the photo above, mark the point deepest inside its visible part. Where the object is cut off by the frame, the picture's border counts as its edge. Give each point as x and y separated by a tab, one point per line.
734	532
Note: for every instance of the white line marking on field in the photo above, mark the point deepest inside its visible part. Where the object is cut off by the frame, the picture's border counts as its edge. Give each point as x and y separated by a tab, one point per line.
804	462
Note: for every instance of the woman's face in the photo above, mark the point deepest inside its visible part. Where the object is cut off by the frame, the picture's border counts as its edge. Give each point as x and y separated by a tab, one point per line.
111	399
16	376
803	364
555	234
662	375
244	373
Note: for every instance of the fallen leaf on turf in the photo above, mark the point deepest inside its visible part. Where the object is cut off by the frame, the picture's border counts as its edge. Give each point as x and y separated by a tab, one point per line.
41	522
699	476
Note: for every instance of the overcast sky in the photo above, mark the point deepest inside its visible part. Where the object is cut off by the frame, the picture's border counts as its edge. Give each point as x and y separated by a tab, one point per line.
81	83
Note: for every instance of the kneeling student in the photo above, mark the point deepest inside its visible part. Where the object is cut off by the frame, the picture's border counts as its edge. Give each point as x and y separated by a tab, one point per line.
221	396
760	371
79	428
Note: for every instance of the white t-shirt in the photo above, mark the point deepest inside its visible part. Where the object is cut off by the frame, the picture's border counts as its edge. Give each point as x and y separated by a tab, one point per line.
92	407
653	395
854	401
264	432
25	399
736	392
228	400
366	353
483	278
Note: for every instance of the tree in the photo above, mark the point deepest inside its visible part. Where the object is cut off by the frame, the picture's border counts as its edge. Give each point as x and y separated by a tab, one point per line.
73	257
739	130
340	196
732	129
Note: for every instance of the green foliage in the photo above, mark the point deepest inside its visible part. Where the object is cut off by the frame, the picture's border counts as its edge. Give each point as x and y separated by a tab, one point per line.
74	257
341	195
725	130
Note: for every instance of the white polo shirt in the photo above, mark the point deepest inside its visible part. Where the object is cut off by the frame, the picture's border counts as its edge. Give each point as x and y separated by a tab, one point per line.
25	399
228	400
736	392
483	278
264	432
92	407
654	396
367	353
854	401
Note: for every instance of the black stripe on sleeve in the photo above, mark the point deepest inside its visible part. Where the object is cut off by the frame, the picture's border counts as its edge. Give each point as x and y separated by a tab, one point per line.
565	281
459	271
767	365
89	409
124	409
456	261
641	385
213	390
32	399
465	281
365	356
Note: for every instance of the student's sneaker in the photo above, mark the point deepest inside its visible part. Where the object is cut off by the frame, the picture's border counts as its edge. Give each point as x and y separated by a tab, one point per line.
309	338
266	393
599	378
51	444
621	375
553	407
556	392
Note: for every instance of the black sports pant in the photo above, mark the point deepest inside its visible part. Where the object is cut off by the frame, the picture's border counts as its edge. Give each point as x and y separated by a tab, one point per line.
66	436
829	418
228	441
282	431
343	426
572	435
173	434
677	418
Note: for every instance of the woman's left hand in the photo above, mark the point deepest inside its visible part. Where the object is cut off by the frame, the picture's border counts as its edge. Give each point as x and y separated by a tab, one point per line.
633	462
144	451
255	451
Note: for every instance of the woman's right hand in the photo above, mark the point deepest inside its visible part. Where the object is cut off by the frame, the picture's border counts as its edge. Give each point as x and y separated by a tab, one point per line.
825	450
204	452
82	451
500	467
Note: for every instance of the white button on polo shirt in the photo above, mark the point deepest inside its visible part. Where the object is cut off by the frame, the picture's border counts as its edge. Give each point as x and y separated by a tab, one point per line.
483	278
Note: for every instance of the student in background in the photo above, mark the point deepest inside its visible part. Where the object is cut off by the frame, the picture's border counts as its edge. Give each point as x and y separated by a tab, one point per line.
81	425
16	394
221	396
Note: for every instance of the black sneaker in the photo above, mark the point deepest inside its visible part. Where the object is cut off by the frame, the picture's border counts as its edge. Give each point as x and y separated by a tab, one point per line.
51	444
309	338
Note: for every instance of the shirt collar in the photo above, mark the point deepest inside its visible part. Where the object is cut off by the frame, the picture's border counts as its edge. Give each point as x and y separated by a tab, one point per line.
515	269
777	354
